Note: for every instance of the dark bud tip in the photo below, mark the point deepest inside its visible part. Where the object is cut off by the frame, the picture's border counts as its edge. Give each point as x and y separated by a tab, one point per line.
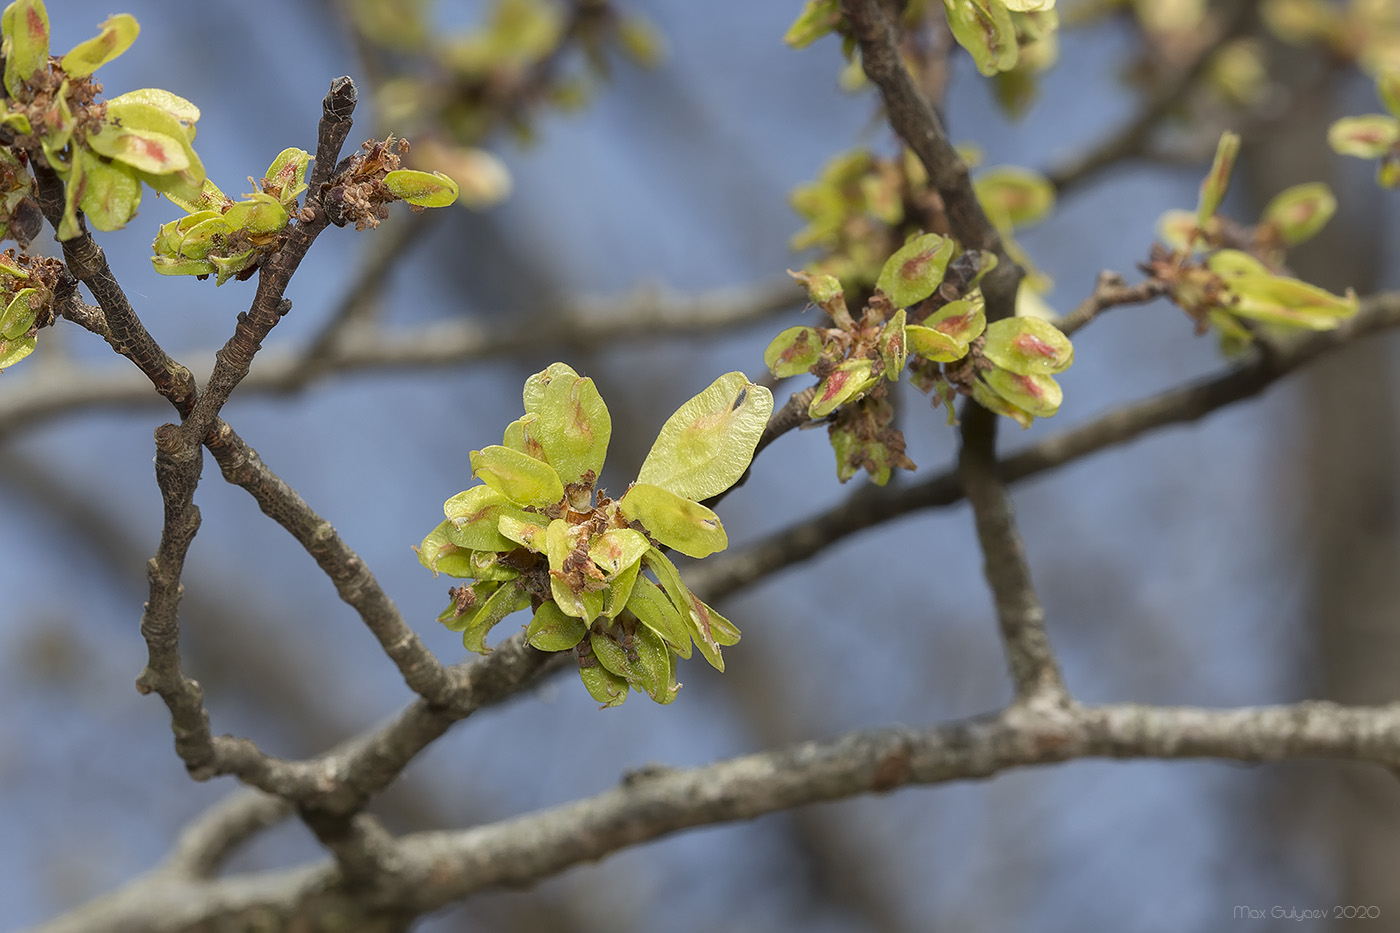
339	103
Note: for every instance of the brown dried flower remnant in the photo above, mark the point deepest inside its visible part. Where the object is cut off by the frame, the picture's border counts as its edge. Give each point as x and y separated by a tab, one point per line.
358	194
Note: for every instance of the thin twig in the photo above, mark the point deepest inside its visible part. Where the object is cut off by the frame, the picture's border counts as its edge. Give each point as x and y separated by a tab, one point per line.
69	305
177	475
792	415
234	359
1110	291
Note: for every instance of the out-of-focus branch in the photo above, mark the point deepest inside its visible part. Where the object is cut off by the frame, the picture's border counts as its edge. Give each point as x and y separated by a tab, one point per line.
363	848
431	870
836	872
62	389
208	840
1134	137
385	250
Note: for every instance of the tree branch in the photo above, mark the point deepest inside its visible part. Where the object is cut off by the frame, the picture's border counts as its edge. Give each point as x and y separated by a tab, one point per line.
1034	671
122	328
343	780
871	505
179	450
353	580
233	361
434	869
523	850
1110	291
914	120
177	474
208	840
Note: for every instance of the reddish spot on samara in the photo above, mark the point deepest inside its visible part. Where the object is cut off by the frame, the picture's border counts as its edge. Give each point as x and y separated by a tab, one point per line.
1032	345
579	424
611	551
474	517
108	39
955	324
834	382
1030	386
38	29
702	613
797	346
147	147
915	265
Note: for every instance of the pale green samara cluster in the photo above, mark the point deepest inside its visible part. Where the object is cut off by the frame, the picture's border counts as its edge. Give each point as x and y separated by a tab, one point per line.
539	534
